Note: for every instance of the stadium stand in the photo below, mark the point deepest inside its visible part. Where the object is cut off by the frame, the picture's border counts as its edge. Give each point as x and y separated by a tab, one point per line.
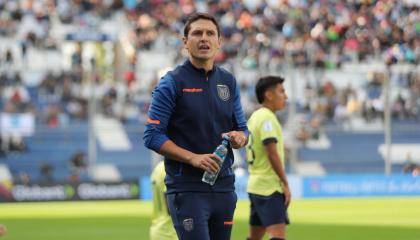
338	54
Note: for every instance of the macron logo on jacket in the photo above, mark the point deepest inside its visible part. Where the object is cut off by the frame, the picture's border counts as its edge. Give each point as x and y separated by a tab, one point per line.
192	90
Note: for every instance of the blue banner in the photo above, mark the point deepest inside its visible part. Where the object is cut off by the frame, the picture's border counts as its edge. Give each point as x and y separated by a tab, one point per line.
146	188
361	186
330	186
240	186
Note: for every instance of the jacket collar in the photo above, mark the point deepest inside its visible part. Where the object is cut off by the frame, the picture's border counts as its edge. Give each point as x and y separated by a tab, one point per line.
189	65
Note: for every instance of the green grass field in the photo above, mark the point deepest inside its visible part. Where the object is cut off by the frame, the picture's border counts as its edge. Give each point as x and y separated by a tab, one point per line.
342	219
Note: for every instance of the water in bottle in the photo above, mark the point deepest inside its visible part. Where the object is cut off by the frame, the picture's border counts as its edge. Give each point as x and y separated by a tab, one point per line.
221	151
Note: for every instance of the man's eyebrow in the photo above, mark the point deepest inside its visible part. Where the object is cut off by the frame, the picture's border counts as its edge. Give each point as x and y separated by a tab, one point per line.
202	30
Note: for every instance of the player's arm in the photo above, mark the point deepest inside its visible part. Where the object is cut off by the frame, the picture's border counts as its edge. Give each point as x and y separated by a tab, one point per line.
203	161
238	137
155	138
275	161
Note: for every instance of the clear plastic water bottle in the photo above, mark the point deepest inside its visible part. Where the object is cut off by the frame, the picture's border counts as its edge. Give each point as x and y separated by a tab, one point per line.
221	151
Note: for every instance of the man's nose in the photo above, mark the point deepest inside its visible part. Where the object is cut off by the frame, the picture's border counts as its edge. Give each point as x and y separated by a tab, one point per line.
204	37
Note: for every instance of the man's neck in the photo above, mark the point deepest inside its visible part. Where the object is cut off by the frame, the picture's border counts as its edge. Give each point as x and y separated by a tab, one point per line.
207	65
269	106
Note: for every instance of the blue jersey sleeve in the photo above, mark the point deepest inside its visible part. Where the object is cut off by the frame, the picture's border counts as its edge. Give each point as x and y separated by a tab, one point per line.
239	116
160	110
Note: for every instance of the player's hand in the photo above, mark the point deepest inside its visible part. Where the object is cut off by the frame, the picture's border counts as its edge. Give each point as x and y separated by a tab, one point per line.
206	162
238	139
287	195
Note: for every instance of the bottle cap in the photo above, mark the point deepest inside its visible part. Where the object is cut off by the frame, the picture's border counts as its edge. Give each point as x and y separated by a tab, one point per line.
226	137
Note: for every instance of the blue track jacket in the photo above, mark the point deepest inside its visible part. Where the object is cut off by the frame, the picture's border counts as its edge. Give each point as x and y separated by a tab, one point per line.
193	110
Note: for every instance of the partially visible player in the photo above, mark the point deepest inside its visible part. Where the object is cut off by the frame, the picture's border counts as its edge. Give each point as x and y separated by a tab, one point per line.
162	227
2	230
268	187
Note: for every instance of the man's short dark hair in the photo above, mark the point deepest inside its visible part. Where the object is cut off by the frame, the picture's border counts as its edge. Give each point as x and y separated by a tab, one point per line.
266	83
197	16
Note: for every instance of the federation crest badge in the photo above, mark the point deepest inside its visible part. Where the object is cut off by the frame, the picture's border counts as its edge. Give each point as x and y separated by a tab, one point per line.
223	92
188	224
267	126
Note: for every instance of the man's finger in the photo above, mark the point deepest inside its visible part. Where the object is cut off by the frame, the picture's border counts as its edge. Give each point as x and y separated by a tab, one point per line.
215	157
209	167
226	134
214	162
215	167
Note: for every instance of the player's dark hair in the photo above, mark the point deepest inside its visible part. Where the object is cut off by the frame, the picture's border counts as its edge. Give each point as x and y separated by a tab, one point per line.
266	83
197	16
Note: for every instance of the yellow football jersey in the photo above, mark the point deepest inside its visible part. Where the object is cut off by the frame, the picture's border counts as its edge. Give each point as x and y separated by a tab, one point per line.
162	227
263	126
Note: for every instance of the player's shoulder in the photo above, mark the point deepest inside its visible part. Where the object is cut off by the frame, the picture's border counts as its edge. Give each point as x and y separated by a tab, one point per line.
225	73
222	70
262	114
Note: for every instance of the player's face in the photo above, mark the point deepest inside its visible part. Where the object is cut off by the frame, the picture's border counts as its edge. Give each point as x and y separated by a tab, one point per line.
202	41
279	97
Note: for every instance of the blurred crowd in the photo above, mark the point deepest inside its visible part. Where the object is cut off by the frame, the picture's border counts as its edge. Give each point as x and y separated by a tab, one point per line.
317	33
261	35
320	33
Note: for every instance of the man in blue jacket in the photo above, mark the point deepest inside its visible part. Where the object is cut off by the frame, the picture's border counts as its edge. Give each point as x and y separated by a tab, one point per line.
192	107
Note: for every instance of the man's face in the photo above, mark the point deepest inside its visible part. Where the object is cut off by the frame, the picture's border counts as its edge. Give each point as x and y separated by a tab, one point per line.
202	41
279	97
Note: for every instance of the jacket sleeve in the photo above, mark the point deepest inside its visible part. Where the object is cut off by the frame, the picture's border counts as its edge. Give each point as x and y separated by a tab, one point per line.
160	111
238	115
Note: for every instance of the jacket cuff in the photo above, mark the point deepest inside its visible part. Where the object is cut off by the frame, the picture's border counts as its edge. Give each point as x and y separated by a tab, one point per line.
157	142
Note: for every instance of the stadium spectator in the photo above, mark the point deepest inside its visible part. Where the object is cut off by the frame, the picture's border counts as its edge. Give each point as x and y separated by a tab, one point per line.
22	178
410	167
76	57
268	187
46	170
2	148
180	130
77	165
162	226
17	144
9	58
307	129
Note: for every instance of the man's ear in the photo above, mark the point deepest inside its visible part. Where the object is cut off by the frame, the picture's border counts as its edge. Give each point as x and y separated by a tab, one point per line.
184	40
268	95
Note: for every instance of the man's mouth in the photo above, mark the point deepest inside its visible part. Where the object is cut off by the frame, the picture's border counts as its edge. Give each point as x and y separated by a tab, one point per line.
204	47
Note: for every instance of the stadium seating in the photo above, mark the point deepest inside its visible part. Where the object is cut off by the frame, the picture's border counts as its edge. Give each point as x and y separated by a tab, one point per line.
357	152
331	61
56	147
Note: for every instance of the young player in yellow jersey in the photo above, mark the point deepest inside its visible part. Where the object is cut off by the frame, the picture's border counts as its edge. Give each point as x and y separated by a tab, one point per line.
267	188
162	227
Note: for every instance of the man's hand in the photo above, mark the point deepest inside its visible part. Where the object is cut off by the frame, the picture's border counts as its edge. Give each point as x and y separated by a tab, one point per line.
287	195
238	139
206	162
